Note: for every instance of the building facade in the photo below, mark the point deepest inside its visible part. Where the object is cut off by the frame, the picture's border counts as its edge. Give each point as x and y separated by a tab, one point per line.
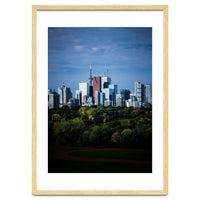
53	100
96	85
125	93
108	103
79	96
148	93
120	101
102	98
97	98
83	87
140	92
114	93
108	93
65	94
105	81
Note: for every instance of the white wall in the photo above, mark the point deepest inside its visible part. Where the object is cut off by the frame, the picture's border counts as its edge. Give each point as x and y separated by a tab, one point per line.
15	81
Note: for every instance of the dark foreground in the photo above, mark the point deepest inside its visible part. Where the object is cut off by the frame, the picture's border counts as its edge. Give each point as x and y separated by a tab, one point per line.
99	160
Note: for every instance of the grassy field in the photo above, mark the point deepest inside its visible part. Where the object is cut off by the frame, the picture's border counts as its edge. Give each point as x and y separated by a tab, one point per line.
76	166
115	154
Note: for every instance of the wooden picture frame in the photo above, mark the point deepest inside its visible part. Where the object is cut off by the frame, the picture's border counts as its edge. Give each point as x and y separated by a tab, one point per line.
163	8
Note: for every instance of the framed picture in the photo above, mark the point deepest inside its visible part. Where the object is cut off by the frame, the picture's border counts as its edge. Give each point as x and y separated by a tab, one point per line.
100	100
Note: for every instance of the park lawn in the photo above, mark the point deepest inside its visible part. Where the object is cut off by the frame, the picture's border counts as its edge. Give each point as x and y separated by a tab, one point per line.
54	148
115	154
68	166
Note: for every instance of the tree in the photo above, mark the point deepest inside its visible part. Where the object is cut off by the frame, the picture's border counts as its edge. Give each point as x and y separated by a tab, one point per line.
106	132
126	136
83	112
115	138
56	117
95	136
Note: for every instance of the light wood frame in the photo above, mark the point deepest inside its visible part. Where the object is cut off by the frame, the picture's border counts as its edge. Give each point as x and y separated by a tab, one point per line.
163	8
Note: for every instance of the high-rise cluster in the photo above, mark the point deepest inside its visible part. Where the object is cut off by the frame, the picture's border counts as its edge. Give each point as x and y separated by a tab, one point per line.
101	92
61	98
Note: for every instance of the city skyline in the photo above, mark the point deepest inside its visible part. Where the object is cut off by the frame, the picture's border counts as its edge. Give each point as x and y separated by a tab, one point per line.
125	52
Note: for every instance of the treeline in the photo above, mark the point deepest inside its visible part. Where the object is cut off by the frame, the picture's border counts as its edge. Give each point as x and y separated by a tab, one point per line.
96	114
107	126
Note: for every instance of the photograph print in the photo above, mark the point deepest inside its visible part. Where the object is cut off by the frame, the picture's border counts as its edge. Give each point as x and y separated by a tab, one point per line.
100	100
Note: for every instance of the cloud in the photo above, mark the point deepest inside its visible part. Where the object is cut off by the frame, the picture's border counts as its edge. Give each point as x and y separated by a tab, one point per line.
78	47
76	40
126	52
95	49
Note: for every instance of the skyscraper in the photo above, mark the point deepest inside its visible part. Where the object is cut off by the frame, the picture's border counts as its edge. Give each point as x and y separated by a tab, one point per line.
79	96
83	87
53	100
133	97
114	92
108	93
139	92
105	81
102	98
125	93
90	83
108	103
97	98
119	101
65	94
148	93
49	91
96	84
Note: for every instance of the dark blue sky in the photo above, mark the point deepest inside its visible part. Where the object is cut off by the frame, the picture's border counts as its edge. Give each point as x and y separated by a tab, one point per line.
125	52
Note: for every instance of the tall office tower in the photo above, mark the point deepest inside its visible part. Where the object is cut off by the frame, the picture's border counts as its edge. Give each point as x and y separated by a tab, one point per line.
148	93
79	96
96	85
90	91
49	92
65	94
83	87
108	103
90	101
84	100
73	102
139	92
133	97
125	93
130	102
108	93
119	101
105	81
90	78
115	89
97	98
90	83
118	96
53	100
102	98
136	104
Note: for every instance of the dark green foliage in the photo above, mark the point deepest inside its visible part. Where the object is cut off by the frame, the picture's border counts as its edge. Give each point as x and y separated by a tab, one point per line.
68	131
126	135
107	126
95	136
116	138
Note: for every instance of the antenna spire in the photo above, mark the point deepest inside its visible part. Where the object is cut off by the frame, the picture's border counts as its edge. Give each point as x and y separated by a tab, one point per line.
90	78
